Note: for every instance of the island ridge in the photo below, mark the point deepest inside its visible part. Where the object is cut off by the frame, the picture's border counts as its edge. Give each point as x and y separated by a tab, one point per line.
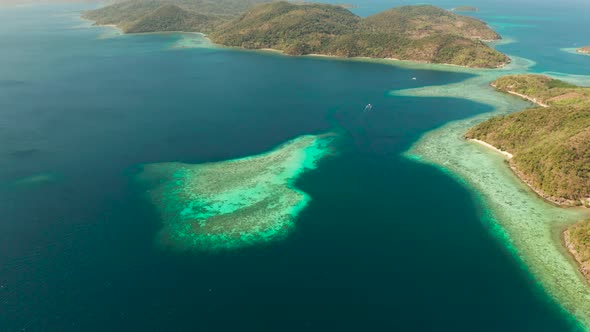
137	16
421	33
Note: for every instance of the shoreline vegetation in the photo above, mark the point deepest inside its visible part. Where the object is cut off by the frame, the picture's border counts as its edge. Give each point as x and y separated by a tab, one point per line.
421	33
552	153
566	160
523	96
577	241
576	237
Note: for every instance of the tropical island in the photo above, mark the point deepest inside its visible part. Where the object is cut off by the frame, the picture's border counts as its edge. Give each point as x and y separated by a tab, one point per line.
551	142
418	33
137	16
549	147
465	9
584	50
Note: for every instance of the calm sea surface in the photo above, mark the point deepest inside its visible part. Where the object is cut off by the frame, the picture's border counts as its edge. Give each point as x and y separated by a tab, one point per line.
385	245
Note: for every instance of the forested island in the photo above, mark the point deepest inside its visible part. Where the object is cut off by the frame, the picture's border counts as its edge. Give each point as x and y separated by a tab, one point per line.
419	33
550	143
550	147
136	16
584	50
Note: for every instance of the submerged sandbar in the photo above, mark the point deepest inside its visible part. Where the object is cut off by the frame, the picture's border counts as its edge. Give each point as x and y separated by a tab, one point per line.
235	203
580	51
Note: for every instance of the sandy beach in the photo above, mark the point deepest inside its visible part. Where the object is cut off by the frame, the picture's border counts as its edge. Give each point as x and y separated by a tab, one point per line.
532	100
505	153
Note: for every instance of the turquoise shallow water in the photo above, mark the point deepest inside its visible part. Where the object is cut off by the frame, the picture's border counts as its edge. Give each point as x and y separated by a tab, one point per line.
386	243
237	203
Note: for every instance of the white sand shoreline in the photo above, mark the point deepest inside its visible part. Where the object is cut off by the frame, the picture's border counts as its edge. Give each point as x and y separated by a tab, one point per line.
507	154
531	99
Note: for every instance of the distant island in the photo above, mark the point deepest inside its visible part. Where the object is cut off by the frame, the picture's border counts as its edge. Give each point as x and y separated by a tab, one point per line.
584	50
137	16
418	33
465	9
550	143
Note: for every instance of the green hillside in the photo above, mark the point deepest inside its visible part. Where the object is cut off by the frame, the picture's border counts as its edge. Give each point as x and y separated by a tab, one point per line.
551	145
295	29
419	33
172	18
423	21
169	15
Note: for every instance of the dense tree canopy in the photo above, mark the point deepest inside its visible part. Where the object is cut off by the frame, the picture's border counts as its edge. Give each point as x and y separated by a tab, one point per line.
420	33
551	145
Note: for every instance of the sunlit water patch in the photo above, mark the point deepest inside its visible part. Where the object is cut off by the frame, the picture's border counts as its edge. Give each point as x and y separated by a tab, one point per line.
582	80
235	203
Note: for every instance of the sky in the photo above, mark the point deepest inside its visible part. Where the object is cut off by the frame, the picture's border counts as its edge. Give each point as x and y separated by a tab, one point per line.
22	2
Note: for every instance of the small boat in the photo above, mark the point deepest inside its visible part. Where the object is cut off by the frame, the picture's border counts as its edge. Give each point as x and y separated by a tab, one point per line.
368	108
413	78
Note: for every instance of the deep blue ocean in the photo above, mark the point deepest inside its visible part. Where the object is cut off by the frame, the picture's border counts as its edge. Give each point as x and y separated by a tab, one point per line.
386	244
